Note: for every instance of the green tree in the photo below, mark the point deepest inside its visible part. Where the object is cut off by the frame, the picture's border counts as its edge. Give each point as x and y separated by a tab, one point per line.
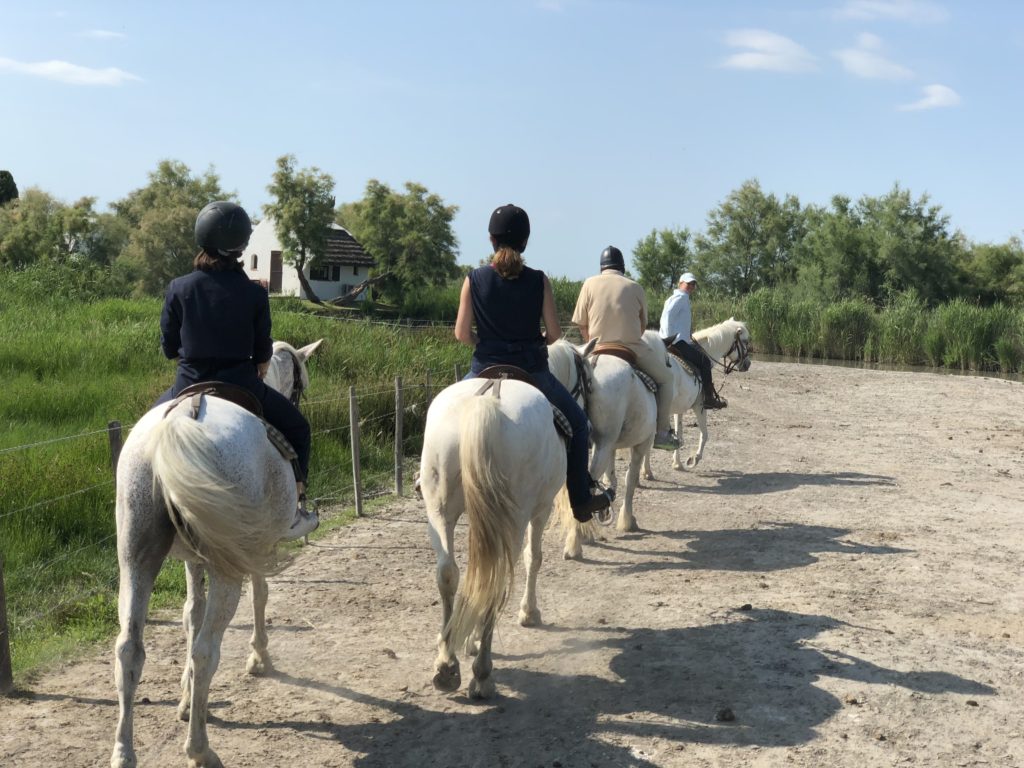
8	189
834	256
409	234
302	211
750	240
661	257
994	272
160	219
39	227
912	247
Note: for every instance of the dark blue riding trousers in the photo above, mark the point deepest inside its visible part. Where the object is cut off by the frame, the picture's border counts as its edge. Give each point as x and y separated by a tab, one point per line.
577	480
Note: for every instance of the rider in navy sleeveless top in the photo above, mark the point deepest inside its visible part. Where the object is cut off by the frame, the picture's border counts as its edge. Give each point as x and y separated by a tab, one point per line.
506	314
507	302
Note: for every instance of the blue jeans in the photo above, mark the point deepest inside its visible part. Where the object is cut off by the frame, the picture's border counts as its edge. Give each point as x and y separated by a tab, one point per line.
577	474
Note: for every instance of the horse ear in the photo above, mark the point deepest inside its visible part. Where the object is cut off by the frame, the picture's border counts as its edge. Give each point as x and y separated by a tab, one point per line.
307	351
589	347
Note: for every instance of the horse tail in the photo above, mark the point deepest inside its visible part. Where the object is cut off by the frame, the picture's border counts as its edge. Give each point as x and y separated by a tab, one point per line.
494	537
564	520
222	524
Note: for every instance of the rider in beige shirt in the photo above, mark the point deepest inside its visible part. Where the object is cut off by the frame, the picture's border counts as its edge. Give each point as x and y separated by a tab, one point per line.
613	308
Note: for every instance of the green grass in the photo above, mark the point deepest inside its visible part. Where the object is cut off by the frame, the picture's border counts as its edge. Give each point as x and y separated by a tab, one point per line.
72	367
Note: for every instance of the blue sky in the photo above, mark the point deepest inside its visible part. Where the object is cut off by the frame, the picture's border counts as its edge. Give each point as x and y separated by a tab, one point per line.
605	119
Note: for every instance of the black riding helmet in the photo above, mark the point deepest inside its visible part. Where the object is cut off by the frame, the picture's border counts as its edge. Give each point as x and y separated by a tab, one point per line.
510	226
223	227
611	258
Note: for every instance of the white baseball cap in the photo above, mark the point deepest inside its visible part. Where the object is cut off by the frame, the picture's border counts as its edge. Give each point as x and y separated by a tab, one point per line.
687	278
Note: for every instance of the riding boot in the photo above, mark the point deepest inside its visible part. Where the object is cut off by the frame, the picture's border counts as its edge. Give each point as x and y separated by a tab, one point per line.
712	400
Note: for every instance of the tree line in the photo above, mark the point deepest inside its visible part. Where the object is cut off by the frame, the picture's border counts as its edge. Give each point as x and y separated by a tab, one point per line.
146	238
875	248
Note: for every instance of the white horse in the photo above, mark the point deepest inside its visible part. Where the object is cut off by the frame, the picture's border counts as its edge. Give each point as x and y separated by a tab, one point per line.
214	492
501	461
623	414
728	345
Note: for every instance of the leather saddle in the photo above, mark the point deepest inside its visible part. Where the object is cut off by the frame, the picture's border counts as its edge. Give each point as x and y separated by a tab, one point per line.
243	398
620	351
495	374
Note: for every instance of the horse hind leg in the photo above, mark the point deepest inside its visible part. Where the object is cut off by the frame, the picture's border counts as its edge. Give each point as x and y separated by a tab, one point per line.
259	662
627	522
447	676
222	601
482	685
529	613
191	620
702	424
136	586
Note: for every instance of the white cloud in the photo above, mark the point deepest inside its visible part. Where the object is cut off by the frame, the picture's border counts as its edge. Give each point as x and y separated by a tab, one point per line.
867	61
935	96
767	50
66	72
104	34
916	11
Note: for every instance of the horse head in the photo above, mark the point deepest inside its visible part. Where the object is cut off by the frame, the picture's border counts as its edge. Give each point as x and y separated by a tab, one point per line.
287	372
737	357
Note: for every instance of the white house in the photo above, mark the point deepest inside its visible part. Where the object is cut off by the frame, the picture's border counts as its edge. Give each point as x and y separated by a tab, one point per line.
343	265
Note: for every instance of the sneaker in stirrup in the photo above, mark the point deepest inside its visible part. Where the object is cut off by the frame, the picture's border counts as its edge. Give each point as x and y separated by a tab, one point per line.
666	441
306	521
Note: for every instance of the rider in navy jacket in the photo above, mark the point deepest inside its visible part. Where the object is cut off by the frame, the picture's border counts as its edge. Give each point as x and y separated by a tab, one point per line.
216	323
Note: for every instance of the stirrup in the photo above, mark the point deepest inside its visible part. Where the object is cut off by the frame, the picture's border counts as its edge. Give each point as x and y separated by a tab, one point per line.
306	521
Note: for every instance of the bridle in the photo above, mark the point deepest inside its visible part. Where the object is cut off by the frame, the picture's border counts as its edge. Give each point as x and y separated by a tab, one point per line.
297	387
581	389
742	350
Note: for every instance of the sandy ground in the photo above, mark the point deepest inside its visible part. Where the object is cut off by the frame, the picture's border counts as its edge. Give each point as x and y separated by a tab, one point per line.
842	573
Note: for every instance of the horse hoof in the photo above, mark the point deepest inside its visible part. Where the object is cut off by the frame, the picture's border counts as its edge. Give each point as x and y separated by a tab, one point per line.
183	711
576	554
258	666
122	757
529	618
628	527
208	759
448	678
481	689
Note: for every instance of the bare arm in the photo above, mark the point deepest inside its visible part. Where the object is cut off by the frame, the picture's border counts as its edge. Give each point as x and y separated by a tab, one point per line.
464	320
549	315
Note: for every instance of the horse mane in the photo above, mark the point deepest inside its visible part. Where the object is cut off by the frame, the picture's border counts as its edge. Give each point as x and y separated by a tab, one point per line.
720	335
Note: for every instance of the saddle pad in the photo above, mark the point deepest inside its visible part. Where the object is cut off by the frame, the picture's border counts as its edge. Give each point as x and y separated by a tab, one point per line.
562	425
647	380
687	365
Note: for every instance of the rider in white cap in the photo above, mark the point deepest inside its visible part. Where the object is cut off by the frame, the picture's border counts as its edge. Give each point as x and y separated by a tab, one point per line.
677	332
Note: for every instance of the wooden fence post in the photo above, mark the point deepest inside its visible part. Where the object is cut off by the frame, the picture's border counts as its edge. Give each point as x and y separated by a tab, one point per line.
399	422
458	374
6	678
426	392
114	437
353	421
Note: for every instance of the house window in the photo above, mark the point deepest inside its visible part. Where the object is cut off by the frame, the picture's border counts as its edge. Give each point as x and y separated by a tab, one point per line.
355	270
327	273
254	262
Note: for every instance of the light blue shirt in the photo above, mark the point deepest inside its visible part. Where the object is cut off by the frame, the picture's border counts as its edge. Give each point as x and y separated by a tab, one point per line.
676	318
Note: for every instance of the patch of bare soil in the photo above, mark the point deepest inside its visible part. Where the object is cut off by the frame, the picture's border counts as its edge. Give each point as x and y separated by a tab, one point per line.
837	584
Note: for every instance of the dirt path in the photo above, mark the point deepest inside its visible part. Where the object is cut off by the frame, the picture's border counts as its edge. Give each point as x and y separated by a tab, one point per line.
842	573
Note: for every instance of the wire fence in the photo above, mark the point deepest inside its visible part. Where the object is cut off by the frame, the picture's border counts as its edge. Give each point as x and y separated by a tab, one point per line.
365	445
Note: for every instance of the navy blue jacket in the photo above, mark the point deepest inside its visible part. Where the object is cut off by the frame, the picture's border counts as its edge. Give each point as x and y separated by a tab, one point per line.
216	318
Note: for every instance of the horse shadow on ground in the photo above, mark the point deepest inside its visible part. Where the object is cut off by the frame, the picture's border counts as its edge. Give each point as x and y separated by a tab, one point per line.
668	690
775	546
744	483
